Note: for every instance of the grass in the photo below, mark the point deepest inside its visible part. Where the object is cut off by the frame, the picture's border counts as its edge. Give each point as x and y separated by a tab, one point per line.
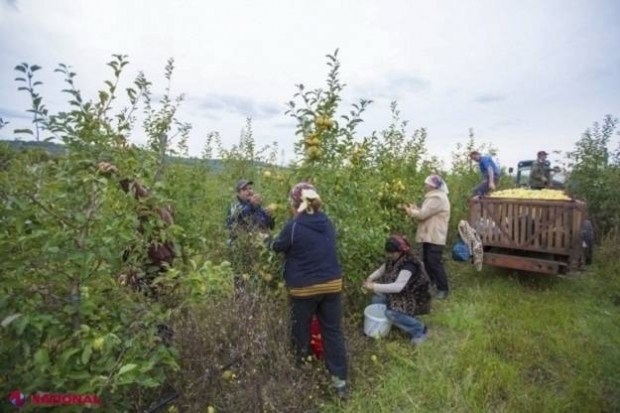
502	342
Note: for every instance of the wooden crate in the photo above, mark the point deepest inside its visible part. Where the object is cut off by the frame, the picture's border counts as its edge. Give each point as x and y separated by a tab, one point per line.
549	230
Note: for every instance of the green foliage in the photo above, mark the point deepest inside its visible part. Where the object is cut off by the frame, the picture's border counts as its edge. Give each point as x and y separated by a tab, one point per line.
68	326
595	173
501	343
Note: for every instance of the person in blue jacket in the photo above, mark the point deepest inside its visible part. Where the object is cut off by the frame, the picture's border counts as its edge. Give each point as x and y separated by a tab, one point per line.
490	173
246	213
313	277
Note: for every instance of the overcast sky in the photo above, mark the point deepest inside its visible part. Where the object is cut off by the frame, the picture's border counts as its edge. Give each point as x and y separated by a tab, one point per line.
525	74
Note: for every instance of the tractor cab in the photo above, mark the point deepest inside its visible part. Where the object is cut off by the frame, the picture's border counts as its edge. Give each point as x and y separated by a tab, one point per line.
522	178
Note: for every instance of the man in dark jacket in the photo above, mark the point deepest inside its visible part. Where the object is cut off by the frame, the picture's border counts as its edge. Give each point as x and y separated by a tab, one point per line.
540	174
246	218
246	213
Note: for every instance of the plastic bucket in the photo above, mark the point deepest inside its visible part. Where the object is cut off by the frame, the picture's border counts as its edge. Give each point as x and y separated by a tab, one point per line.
375	322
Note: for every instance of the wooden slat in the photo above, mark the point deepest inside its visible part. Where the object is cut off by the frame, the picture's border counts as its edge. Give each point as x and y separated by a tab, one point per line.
523	263
493	216
557	236
523	220
544	235
511	220
537	226
517	219
504	237
563	234
565	229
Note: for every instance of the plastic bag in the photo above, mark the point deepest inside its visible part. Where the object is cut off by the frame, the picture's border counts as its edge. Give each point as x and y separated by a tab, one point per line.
316	342
461	252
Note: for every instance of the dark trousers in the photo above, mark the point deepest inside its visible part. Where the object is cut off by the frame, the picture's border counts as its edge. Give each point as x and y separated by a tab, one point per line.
328	310
433	262
484	188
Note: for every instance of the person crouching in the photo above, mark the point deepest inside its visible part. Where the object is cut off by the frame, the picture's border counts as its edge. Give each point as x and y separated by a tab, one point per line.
405	290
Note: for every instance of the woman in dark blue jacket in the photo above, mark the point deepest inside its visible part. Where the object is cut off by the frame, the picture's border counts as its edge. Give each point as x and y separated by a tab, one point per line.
313	276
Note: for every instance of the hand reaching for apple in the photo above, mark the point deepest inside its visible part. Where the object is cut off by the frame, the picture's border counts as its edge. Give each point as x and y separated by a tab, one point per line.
410	209
256	200
107	168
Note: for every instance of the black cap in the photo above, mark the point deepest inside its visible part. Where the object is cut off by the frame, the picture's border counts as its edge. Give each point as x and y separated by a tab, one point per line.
542	153
242	183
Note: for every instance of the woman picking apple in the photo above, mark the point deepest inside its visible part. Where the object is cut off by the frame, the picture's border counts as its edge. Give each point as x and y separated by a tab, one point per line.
313	276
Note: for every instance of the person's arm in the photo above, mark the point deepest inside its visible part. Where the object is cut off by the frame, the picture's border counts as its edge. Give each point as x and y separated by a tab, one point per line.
267	217
167	216
429	208
126	184
283	242
395	287
378	273
491	174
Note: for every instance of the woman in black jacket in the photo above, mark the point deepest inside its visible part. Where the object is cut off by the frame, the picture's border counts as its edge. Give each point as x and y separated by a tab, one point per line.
313	276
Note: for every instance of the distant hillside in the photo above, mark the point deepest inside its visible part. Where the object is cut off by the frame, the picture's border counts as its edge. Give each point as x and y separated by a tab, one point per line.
58	149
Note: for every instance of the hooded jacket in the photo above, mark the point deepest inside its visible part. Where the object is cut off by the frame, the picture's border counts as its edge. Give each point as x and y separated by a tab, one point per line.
433	217
309	244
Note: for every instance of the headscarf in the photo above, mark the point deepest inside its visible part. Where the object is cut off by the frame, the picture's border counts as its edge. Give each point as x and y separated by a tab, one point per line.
437	182
302	195
396	243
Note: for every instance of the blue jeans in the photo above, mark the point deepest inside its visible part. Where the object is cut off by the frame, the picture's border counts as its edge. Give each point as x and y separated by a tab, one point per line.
410	325
483	189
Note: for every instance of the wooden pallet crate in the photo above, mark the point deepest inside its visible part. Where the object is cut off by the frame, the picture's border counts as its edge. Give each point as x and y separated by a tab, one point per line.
527	234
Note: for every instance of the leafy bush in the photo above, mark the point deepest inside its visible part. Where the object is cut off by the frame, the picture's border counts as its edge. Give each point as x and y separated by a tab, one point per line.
69	326
595	173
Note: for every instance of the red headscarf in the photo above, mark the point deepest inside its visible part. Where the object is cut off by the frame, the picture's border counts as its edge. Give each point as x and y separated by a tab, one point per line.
396	243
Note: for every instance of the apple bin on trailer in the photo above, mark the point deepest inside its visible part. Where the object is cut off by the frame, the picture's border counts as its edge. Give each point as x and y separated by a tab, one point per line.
550	236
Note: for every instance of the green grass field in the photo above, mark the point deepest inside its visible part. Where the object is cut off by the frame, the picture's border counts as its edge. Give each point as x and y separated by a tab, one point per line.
502	342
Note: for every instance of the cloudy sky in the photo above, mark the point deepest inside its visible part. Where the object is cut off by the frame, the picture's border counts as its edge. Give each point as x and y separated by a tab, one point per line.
525	74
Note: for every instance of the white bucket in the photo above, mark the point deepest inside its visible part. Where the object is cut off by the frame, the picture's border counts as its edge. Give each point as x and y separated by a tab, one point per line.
375	322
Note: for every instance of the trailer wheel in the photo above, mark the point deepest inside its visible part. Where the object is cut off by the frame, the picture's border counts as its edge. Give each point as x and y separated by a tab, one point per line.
588	241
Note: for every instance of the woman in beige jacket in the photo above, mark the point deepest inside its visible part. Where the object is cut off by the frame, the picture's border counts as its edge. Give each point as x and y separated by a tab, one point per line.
433	218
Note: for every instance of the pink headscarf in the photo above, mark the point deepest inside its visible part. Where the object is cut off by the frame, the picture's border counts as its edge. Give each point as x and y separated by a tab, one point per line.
437	182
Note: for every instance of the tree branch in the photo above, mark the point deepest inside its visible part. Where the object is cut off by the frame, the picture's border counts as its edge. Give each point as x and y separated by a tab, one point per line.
50	212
